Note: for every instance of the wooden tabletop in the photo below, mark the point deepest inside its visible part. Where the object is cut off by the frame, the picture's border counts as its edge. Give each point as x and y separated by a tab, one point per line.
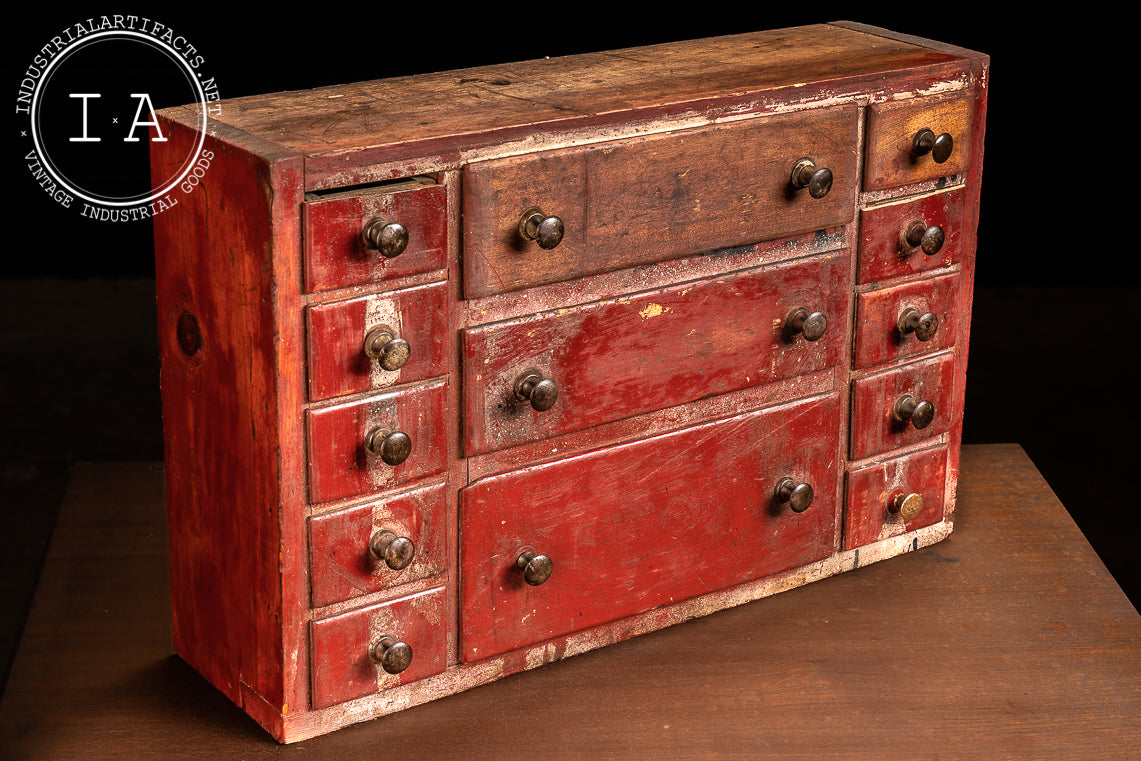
1008	640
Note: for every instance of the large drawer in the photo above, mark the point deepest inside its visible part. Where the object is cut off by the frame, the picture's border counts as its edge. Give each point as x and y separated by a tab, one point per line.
635	526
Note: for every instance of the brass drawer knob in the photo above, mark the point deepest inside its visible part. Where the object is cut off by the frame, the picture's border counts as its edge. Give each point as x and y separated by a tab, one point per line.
918	412
396	552
809	324
805	174
382	343
536	568
798	496
919	235
924	325
541	392
925	141
907	506
386	236
391	446
537	226
390	654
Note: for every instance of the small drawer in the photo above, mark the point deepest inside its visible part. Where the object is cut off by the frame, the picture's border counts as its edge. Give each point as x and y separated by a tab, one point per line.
614	359
336	254
893	157
340	461
880	416
352	342
652	198
639	525
907	320
917	235
894	497
377	545
343	647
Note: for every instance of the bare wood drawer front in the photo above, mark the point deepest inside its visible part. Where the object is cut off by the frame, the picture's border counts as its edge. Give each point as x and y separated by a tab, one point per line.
907	320
936	222
648	199
336	254
644	524
880	420
342	335
407	532
617	358
340	462
894	497
893	157
343	665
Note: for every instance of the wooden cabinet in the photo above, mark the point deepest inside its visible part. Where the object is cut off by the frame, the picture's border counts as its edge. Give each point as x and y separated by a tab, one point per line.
457	385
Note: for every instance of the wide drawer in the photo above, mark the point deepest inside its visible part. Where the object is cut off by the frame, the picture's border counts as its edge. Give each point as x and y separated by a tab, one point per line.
880	420
641	200
886	250
635	526
614	359
895	496
883	331
891	156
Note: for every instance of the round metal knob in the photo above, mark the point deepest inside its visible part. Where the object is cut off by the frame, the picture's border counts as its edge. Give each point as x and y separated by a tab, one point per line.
383	235
907	506
541	392
537	226
381	343
390	654
926	141
923	325
536	568
396	552
798	496
919	235
391	446
919	413
806	175
810	325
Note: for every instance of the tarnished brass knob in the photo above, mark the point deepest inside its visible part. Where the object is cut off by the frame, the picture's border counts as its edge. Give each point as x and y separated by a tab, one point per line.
386	236
925	141
381	343
919	413
391	446
541	392
907	506
798	496
923	325
810	325
396	552
805	174
536	568
919	235
390	654
537	226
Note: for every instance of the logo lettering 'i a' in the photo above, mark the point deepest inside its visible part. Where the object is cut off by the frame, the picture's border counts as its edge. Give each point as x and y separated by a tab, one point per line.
144	102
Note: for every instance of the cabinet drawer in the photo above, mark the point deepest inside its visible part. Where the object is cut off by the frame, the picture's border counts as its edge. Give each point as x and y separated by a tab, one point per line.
341	564
335	252
885	250
880	313
340	464
876	426
644	524
614	359
891	159
648	199
338	359
916	481
341	664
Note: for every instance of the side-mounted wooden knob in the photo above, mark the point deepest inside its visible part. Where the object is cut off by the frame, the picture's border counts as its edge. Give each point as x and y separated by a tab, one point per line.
918	235
811	325
797	495
382	344
906	506
545	230
396	552
541	392
908	409
536	568
923	324
390	654
818	180
939	146
386	236
391	446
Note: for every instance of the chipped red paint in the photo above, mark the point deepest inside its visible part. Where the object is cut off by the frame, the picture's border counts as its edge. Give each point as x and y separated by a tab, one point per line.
874	426
883	253
878	339
870	490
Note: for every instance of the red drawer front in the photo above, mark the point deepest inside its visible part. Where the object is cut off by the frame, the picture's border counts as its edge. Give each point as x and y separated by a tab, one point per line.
871	491
874	424
885	254
339	464
644	524
878	338
340	563
618	358
342	669
335	254
338	363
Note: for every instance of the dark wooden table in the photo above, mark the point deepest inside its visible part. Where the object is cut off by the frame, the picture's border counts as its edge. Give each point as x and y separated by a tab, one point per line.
1008	640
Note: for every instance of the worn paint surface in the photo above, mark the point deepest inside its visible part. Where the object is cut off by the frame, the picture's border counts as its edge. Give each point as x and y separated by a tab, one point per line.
878	338
883	253
874	426
871	489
